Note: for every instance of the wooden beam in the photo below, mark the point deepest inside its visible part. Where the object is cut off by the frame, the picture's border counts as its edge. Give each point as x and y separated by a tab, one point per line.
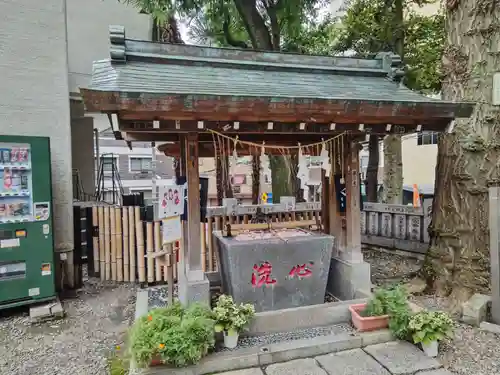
141	121
194	266
228	108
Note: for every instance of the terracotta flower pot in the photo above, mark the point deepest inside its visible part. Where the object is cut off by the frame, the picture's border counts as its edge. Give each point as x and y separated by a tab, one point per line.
156	361
364	324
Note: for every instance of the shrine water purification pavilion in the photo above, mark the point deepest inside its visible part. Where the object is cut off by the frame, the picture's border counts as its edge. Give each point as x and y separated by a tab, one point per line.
186	94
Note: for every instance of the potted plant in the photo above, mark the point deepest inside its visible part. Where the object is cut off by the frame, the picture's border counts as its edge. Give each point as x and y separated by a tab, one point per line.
231	319
372	315
172	335
388	307
430	327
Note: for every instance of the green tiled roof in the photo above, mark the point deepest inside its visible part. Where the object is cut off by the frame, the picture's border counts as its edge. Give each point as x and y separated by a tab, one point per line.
138	66
204	79
168	69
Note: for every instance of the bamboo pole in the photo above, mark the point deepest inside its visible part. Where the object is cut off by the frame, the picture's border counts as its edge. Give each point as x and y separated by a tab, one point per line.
140	245
102	258
95	238
203	235
113	243
107	252
169	271
157	247
210	239
149	248
169	247
126	262
132	245
119	247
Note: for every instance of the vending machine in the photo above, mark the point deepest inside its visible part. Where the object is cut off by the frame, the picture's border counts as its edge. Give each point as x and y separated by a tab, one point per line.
26	242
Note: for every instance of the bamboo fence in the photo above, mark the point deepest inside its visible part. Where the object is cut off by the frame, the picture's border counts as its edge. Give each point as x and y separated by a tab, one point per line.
124	245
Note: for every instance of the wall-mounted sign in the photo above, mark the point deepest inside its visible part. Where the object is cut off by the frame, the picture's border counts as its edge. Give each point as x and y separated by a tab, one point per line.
170	201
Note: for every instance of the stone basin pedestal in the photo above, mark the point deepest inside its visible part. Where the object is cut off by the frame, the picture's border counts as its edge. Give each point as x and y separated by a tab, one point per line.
275	269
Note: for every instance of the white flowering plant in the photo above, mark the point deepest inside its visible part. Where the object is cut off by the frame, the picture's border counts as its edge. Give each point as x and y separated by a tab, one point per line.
231	317
428	326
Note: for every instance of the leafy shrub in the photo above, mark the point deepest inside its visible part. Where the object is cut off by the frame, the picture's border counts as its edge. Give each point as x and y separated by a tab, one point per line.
231	317
391	301
428	326
177	336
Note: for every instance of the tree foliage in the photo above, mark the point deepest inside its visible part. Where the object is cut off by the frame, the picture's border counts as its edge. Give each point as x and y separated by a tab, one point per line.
369	27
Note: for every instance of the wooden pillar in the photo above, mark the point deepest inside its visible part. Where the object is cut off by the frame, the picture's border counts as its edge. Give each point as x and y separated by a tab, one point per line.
334	216
325	202
193	259
353	252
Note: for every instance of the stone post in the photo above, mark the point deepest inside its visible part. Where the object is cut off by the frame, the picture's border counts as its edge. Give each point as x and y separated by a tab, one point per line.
494	224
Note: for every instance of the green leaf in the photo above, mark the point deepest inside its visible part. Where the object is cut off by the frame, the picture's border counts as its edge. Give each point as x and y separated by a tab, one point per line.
219	328
232	332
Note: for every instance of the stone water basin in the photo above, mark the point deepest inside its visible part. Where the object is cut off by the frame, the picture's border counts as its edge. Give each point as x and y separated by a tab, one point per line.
275	269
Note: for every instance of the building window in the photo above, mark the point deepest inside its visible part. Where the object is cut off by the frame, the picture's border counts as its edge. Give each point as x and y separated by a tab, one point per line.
427	138
267	180
140	164
237	189
364	161
239	179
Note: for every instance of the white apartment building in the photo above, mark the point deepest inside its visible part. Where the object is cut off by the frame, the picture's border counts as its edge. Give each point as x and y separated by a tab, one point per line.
46	53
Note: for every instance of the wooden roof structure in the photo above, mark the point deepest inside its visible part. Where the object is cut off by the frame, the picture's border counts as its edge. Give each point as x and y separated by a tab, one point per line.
158	91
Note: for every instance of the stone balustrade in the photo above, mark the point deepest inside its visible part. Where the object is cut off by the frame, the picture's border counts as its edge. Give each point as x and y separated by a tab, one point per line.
396	226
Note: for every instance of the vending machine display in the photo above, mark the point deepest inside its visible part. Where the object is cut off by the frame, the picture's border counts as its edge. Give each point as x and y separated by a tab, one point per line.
26	242
16	203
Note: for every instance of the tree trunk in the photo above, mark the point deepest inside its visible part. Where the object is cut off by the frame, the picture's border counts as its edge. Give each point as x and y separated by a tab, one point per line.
226	179
457	261
372	170
261	38
393	157
393	170
219	180
255	179
280	177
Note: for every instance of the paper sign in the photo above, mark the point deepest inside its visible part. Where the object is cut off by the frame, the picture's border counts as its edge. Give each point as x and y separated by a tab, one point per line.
13	242
170	201
171	229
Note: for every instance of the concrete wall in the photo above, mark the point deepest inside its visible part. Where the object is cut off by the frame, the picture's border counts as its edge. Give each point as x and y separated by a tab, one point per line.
419	161
34	99
88	38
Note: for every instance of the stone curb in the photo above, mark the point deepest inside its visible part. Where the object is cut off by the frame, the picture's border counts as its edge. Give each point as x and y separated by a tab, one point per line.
490	327
275	353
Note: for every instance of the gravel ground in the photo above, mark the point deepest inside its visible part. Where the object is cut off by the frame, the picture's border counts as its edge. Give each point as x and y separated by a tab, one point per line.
472	351
389	268
273	338
79	344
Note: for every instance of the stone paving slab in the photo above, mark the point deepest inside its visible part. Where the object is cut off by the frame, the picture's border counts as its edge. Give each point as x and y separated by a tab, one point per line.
307	366
440	371
351	362
247	371
401	358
